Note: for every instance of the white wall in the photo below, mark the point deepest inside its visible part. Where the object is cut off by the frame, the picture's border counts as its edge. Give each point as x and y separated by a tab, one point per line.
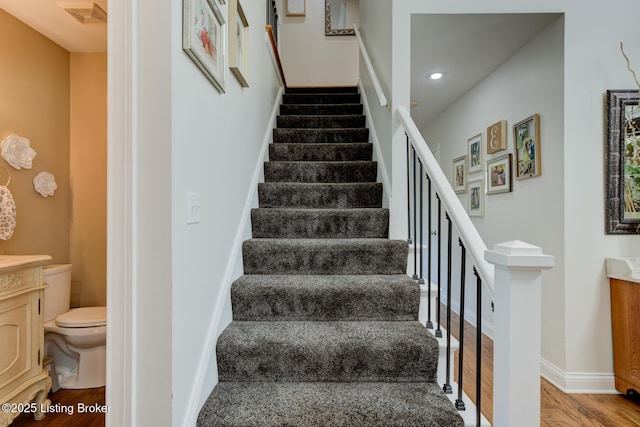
592	64
216	147
171	132
309	58
375	29
521	213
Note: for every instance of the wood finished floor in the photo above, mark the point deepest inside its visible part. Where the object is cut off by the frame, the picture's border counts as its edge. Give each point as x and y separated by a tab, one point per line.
68	398
557	409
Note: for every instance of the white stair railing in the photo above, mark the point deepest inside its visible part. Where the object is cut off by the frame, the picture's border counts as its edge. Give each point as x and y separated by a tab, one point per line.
514	284
511	274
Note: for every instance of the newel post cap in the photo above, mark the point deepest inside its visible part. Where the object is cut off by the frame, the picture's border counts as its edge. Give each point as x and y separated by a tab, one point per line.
519	255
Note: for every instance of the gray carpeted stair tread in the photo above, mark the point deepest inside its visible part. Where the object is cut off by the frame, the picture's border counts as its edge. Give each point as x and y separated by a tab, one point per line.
311	195
321	121
320	98
330	172
278	404
320	136
325	329
324	256
320	109
325	298
402	351
320	223
322	89
341	152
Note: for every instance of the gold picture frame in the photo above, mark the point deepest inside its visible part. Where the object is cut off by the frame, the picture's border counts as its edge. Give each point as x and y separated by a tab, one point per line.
295	7
497	137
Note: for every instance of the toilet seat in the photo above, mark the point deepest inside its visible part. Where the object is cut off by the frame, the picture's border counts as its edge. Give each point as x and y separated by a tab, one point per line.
84	317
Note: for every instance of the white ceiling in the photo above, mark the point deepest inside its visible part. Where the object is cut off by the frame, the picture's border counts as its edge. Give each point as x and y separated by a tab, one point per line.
50	19
466	47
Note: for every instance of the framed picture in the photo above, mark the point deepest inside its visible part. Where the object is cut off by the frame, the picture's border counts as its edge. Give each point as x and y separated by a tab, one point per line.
295	8
622	198
339	16
497	137
476	197
203	39
238	42
460	174
526	137
475	153
499	174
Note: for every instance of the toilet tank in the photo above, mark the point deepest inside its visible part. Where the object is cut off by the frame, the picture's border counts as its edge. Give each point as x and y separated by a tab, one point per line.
57	295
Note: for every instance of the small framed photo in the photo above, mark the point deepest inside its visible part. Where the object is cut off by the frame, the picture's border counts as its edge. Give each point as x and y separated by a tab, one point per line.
526	137
476	197
497	137
499	174
475	153
460	174
238	43
203	39
295	8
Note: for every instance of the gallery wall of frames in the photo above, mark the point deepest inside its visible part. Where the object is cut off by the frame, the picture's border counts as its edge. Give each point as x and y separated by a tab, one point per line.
493	161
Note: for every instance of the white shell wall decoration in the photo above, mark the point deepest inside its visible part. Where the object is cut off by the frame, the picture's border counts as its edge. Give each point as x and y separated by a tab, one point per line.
16	150
45	184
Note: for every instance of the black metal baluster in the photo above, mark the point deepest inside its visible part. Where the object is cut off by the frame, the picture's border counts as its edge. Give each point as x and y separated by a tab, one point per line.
439	331
447	386
408	195
421	280
429	321
463	255
415	220
478	345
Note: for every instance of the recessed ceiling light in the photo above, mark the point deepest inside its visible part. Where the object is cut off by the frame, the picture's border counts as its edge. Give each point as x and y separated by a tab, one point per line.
436	76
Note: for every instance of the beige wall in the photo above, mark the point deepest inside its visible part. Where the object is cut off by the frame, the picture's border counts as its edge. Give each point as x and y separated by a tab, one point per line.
58	101
34	88
88	174
309	58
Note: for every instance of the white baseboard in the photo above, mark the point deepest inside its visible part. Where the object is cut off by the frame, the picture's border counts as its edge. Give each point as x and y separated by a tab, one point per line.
578	382
198	394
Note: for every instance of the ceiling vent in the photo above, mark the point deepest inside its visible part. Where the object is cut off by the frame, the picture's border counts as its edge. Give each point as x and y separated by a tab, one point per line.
92	15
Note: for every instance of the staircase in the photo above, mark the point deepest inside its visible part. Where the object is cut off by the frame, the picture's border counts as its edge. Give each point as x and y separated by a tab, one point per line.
325	329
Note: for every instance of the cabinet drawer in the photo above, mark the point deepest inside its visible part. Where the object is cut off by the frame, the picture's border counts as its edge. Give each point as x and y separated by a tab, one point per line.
16	280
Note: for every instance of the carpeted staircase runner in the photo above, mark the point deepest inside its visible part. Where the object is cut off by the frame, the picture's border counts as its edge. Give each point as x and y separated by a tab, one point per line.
325	329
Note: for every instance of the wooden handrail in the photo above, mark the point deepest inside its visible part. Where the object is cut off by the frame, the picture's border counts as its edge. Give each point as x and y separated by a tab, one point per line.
276	54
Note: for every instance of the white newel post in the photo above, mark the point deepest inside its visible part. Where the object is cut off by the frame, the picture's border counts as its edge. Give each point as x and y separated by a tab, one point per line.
516	348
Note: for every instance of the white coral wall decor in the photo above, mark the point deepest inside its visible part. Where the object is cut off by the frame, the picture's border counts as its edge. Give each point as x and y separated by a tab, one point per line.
45	184
17	151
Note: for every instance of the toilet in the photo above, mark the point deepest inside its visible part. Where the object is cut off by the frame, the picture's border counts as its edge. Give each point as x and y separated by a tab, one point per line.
75	338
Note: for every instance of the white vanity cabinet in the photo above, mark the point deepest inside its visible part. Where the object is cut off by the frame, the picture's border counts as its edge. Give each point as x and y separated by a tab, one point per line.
24	383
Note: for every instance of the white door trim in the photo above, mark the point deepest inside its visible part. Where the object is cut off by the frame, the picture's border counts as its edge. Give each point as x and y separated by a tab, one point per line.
121	225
